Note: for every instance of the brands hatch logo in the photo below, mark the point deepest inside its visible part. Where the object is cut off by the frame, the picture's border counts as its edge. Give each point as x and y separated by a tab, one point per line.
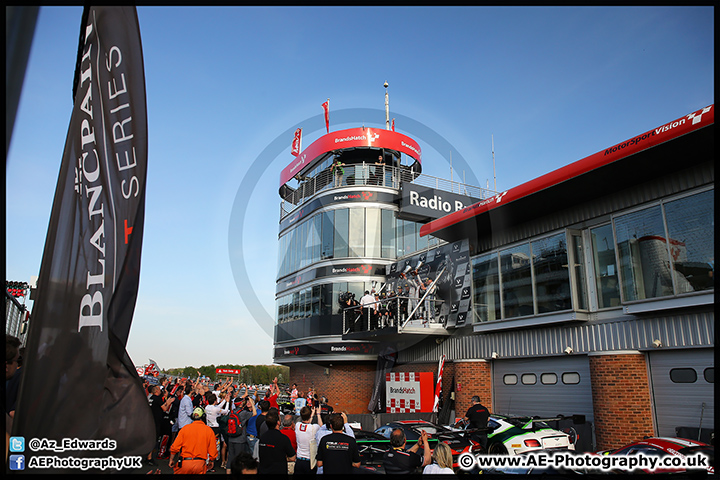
403	390
291	351
499	197
354	348
365	196
698	118
373	137
361	269
296	217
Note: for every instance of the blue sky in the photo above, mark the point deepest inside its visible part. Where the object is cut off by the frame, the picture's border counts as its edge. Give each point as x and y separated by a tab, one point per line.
551	85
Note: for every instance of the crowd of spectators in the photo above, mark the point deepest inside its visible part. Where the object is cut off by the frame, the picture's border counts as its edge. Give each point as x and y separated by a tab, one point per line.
192	418
192	425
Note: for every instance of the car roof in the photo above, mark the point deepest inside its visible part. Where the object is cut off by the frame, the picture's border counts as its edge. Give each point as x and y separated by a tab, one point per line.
669	442
411	422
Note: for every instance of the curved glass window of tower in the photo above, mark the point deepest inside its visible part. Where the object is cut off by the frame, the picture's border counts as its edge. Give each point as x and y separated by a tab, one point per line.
342	227
373	229
356	235
328	218
389	231
348	233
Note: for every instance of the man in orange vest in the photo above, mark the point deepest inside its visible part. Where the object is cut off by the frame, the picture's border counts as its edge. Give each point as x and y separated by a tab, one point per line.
195	445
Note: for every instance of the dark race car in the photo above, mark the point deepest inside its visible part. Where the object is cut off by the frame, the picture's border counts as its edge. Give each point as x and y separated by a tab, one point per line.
459	442
372	447
664	447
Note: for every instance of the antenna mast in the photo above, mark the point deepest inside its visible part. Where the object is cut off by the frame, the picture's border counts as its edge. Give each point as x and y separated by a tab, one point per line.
492	139
387	109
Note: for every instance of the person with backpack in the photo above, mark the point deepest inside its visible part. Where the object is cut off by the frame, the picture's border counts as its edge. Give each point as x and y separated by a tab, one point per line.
237	427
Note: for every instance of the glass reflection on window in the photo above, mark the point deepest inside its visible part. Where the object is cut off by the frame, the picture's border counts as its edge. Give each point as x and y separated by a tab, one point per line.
486	301
606	278
691	223
643	254
516	281
552	278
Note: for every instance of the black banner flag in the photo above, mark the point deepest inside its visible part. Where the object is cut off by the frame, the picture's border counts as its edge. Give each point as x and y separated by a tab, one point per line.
78	380
385	364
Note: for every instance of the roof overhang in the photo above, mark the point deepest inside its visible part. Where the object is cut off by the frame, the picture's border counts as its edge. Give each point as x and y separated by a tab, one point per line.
674	146
346	139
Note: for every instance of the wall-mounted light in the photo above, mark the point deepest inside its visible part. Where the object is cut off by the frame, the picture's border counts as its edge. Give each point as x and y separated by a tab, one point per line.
439	340
495	355
657	343
568	350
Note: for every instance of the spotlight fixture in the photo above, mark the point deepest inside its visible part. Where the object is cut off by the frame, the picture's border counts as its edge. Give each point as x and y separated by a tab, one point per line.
657	343
495	355
568	350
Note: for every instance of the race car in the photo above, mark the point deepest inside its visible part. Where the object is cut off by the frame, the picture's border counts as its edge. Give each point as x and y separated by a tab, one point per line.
667	446
458	441
372	447
519	435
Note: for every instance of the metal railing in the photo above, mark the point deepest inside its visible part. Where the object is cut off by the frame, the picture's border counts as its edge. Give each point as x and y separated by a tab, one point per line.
395	311
364	174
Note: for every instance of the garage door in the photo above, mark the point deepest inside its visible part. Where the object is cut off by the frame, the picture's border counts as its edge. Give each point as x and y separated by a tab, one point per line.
683	393
543	386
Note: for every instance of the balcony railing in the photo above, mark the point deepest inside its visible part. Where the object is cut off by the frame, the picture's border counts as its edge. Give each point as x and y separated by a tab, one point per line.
395	312
363	174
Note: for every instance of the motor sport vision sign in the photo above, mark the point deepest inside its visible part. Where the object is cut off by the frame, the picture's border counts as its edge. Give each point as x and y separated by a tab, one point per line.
409	392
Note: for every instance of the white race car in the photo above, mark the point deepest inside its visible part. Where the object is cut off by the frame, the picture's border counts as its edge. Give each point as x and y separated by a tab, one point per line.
518	435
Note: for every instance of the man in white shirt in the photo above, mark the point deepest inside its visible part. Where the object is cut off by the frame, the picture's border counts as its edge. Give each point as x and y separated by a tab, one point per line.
366	302
212	412
305	433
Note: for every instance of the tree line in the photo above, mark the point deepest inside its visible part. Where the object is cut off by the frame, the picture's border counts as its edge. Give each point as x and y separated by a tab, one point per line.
250	374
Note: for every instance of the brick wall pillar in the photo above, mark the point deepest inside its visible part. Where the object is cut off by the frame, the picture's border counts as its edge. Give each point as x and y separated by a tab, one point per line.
348	386
472	377
621	398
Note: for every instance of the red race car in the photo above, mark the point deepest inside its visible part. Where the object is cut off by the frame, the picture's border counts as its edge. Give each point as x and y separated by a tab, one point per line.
667	447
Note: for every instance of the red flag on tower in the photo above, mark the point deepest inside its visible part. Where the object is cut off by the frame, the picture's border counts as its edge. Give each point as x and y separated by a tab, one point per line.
297	143
393	125
438	386
326	108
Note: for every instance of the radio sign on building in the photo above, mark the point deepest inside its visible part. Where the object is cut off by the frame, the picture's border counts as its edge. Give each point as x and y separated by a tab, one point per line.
422	204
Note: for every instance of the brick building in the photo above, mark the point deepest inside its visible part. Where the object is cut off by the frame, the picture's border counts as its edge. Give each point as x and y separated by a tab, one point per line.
587	291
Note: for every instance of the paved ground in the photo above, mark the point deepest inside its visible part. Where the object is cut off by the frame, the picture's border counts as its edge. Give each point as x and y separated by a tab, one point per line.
162	465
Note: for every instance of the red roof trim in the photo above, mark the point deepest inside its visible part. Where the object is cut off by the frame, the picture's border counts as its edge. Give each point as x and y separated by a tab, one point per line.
350	138
683	125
